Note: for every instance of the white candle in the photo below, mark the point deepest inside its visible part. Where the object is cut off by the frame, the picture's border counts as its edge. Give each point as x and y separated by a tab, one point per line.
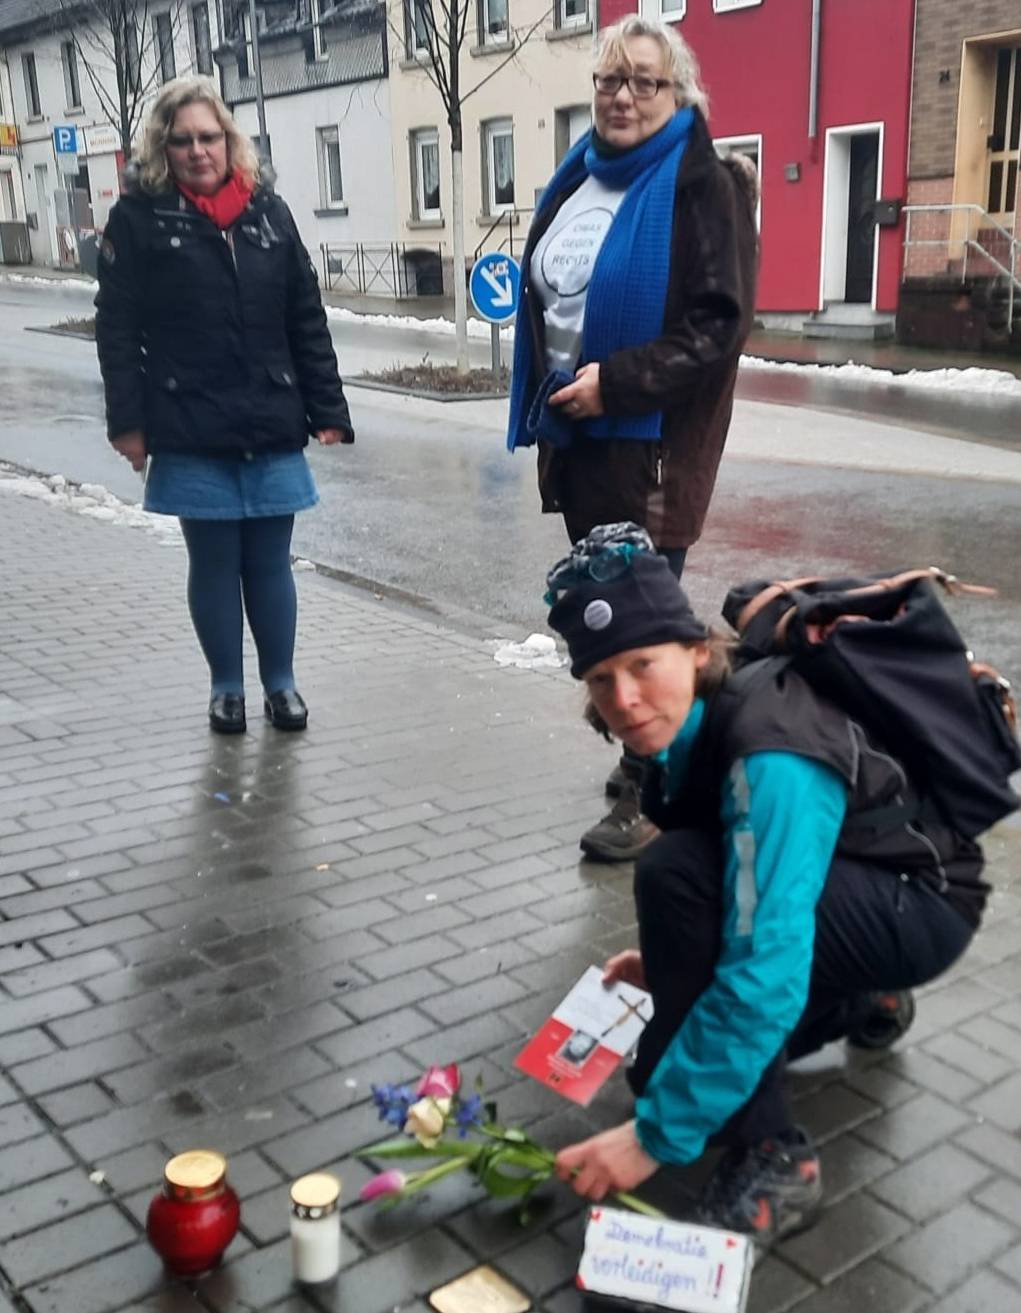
315	1228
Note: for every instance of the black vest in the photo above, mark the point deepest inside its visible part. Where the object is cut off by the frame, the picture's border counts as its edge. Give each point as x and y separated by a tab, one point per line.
767	707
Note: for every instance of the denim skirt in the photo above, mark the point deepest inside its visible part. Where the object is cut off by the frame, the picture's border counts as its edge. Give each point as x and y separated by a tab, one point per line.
229	487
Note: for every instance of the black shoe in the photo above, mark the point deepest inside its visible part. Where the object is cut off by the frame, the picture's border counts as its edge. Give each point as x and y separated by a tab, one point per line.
623	833
889	1017
616	782
286	709
766	1192
227	713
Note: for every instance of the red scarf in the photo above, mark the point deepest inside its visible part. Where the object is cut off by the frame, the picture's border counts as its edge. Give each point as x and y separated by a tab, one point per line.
225	206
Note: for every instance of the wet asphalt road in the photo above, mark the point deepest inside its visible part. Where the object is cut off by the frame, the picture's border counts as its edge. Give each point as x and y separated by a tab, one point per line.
428	501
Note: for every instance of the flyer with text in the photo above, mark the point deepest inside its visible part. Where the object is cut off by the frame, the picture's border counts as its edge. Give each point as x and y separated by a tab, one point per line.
583	1043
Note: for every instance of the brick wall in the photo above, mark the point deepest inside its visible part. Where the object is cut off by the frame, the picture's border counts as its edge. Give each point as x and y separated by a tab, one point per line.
941	27
926	261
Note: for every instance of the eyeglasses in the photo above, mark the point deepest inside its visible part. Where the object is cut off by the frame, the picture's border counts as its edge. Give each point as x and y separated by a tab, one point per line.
641	86
181	141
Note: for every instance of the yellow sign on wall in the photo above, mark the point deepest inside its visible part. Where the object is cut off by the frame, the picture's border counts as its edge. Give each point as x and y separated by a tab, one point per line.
8	134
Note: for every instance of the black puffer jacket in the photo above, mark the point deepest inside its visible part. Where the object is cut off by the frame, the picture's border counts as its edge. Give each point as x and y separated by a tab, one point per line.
213	343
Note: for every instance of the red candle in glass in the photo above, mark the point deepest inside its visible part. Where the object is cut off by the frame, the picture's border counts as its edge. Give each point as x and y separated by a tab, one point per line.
195	1216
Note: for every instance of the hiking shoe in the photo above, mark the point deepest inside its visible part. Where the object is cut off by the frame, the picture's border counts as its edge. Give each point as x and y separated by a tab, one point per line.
889	1017
616	782
623	833
771	1190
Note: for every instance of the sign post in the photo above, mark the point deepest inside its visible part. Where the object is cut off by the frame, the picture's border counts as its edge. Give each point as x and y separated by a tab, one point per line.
494	285
65	147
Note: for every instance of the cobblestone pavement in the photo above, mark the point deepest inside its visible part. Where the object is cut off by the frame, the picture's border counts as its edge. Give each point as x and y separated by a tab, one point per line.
220	942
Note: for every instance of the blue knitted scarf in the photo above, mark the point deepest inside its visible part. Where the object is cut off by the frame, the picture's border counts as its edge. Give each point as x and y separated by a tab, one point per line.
626	298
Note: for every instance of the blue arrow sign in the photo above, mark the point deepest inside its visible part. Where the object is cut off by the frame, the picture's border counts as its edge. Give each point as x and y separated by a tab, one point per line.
65	140
494	283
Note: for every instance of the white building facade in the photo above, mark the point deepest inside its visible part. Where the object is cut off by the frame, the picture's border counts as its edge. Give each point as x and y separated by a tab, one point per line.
49	82
327	107
326	104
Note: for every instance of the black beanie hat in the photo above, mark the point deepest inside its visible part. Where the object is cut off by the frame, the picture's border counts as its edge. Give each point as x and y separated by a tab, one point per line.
644	605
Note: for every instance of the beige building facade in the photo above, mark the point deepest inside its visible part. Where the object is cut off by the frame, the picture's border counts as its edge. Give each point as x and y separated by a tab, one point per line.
965	125
526	77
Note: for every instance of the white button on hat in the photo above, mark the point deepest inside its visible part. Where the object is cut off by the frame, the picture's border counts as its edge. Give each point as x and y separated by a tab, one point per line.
598	614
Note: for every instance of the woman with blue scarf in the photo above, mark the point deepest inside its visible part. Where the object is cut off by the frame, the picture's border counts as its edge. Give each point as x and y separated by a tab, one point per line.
637	293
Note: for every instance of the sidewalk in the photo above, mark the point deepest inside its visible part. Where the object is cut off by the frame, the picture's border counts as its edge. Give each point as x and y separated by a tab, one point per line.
222	943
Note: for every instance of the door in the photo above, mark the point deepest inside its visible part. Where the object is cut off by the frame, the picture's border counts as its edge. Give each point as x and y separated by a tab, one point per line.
1004	142
861	215
863	175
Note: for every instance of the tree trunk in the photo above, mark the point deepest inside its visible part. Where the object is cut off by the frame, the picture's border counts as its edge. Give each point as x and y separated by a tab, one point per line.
460	291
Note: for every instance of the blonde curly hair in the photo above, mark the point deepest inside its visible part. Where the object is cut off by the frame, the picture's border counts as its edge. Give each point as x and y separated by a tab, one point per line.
151	157
678	57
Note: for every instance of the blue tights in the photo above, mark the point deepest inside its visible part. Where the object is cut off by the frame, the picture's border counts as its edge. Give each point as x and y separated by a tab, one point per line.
251	559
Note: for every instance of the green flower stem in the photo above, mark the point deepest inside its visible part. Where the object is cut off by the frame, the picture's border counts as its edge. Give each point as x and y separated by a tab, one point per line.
638	1205
420	1180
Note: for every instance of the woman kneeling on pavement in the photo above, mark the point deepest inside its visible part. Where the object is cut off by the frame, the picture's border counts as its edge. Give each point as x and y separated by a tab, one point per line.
217	364
760	938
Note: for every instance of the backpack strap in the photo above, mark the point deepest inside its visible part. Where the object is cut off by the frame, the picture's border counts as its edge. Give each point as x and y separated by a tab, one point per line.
891	583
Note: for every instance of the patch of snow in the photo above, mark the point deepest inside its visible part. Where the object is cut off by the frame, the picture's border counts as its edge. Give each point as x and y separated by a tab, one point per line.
89	499
998	381
537	652
86	284
476	327
301	563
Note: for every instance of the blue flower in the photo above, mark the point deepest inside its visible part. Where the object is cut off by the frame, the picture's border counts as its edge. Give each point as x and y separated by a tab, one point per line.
392	1103
468	1114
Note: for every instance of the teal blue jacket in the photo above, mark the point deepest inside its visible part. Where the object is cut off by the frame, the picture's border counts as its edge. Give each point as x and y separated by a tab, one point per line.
781	814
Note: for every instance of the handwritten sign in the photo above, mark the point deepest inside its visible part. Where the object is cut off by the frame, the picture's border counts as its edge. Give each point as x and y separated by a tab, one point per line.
676	1265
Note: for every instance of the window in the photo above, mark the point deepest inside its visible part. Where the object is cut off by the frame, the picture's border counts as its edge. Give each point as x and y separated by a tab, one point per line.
8	201
72	88
494	27
31	86
201	42
425	162
724	6
243	44
315	45
750	146
498	162
569	124
417	19
571	13
672	11
164	33
331	183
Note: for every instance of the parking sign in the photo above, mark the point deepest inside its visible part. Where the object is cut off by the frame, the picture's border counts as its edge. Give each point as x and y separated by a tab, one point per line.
65	139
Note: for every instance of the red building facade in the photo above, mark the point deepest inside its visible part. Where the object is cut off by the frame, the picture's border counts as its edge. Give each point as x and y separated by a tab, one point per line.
825	156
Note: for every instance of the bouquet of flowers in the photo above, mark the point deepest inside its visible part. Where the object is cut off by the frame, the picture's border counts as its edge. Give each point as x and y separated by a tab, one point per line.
439	1121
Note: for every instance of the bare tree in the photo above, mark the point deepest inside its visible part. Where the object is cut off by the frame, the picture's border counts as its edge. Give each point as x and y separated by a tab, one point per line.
437	29
124	53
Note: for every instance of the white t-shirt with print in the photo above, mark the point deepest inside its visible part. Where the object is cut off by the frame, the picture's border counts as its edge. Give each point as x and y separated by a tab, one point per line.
562	265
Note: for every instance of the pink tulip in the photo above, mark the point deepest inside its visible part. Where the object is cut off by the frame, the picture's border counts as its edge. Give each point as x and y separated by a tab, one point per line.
387	1183
439	1083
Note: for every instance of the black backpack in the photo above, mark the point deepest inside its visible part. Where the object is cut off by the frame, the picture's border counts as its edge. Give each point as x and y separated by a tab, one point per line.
884	650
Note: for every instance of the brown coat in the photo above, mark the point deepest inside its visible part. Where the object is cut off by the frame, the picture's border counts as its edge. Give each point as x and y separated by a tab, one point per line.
688	372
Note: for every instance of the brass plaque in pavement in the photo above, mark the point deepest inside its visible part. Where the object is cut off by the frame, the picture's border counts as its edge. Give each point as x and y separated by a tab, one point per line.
482	1290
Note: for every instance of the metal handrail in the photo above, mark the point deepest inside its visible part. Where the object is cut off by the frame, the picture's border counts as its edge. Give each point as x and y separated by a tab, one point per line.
968	242
990	222
509	217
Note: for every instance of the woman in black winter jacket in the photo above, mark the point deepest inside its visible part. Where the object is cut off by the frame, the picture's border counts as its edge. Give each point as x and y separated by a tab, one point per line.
217	364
